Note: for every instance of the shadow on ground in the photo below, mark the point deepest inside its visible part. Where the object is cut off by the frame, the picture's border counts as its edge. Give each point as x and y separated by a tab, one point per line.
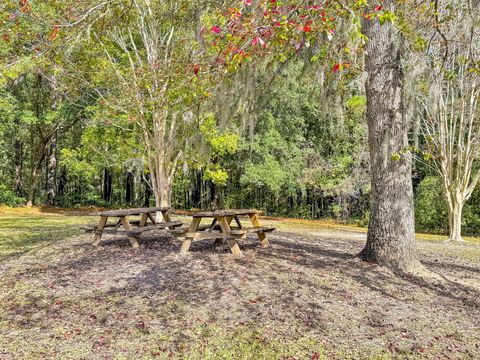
301	285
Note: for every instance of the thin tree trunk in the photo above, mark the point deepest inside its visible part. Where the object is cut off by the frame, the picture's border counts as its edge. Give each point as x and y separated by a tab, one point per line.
455	221
129	188
391	233
107	185
52	170
18	167
62	183
148	191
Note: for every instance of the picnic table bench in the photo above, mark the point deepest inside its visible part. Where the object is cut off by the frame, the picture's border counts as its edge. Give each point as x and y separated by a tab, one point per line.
220	228
132	229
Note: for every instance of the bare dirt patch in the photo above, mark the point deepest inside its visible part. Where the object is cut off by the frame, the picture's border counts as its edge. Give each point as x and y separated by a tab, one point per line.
304	297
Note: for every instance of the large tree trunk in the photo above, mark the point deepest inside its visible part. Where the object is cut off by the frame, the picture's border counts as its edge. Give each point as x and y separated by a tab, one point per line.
51	172
18	167
391	232
33	182
36	167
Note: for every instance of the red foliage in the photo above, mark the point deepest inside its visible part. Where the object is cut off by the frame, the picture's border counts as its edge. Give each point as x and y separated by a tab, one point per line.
216	29
53	34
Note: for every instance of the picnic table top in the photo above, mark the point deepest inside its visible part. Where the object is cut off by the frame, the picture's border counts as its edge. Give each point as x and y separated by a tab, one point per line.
136	211
217	213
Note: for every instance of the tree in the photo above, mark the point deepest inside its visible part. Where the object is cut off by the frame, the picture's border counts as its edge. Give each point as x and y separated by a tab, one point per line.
391	229
451	126
155	82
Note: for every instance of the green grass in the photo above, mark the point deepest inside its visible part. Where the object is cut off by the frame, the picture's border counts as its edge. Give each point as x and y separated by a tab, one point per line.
24	234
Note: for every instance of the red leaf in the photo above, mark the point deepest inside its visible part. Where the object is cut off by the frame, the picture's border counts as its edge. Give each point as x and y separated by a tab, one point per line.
53	34
336	68
216	29
248	2
307	28
196	69
378	7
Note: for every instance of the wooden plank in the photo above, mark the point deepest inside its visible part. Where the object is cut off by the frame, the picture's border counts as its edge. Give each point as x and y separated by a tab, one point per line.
143	220
162	225
152	218
196	236
232	212
237	220
187	242
128	227
135	211
101	225
261	235
166	215
234	248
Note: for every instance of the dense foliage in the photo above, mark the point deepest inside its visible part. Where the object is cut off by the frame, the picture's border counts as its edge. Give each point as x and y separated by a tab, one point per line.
286	135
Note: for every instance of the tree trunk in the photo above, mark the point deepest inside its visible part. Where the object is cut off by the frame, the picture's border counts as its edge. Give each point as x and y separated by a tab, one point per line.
163	198
214	198
34	176
18	167
33	184
129	188
148	191
62	183
52	170
455	221
391	232
107	185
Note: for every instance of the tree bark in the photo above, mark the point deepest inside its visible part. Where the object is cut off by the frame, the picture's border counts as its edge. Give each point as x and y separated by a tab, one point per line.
455	208
391	232
36	167
107	185
52	170
148	190
18	167
34	181
129	188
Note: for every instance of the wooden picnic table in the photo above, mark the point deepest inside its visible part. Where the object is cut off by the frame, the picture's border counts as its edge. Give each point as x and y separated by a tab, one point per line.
132	229
220	228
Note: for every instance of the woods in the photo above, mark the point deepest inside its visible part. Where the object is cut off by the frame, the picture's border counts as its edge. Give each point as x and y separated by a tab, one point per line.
241	104
239	179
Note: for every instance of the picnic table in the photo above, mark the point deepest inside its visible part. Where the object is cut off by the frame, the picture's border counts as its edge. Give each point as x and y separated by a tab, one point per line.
220	229
133	229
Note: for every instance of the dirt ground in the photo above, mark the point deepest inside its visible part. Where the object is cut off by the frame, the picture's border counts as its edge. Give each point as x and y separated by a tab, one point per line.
305	297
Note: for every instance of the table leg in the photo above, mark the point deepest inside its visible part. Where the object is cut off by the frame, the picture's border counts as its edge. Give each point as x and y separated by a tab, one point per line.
143	220
101	226
237	220
127	226
234	248
188	240
261	236
166	216
212	225
152	219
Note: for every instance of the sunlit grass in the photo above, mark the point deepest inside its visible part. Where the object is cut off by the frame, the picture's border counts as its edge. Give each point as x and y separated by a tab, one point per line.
24	230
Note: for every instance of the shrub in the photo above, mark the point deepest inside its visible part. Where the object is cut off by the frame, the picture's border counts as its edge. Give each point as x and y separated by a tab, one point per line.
9	198
430	206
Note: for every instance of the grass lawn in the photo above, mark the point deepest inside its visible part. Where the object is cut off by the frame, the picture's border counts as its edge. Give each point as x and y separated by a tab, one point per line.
305	297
